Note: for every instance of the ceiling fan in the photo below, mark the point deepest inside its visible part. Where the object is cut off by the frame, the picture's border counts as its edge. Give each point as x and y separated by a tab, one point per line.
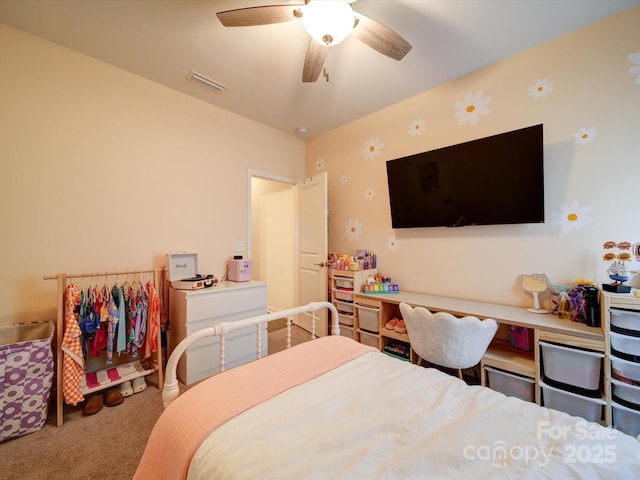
328	22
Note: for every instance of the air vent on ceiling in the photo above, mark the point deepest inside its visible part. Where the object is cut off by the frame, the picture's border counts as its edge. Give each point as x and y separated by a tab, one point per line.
207	82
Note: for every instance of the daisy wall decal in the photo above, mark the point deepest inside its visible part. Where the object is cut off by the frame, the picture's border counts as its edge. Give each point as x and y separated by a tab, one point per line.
417	127
585	135
354	229
372	148
635	70
540	89
344	178
369	193
393	244
470	109
572	217
319	164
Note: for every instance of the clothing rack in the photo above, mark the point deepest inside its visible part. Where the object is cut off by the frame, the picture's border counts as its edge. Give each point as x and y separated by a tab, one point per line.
63	280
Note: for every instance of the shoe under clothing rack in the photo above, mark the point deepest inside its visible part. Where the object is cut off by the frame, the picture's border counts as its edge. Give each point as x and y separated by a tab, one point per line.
124	371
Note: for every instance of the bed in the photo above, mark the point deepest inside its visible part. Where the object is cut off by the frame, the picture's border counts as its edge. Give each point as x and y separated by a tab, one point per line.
334	408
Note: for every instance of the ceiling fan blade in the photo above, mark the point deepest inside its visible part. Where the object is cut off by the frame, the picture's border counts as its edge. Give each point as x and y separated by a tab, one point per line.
313	62
380	38
249	17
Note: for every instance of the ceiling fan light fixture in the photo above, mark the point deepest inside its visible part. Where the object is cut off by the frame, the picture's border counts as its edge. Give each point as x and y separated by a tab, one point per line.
328	21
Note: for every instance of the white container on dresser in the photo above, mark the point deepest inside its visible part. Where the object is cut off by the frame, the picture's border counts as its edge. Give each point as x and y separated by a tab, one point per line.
621	321
190	311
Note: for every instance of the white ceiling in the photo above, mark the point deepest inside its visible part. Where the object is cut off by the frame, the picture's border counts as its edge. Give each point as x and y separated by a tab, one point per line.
163	40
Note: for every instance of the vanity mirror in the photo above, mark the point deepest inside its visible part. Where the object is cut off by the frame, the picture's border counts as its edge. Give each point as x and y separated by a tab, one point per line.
535	284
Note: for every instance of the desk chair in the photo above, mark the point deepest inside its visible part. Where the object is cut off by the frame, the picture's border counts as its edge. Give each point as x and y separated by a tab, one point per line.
445	340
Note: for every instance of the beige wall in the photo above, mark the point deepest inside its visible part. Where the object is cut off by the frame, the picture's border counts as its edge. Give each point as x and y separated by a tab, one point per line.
103	170
598	180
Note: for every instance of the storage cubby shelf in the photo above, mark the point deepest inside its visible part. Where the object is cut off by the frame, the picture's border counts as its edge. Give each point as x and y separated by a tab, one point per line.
500	355
503	356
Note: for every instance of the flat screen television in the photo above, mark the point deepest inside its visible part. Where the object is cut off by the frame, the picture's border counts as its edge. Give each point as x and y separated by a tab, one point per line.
490	181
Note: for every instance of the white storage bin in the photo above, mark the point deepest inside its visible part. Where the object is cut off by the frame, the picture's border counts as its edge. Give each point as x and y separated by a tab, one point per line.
626	319
344	307
628	393
370	339
346	295
588	408
346	331
572	366
625	343
344	319
625	368
368	318
510	384
343	282
626	419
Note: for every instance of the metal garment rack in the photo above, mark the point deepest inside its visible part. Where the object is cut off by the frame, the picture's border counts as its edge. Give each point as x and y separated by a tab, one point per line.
63	280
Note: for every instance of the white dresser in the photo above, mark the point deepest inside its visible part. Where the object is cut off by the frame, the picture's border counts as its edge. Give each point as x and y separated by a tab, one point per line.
193	310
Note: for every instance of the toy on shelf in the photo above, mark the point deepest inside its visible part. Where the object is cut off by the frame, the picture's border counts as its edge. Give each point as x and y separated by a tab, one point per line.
579	303
617	271
560	300
565	310
379	284
362	260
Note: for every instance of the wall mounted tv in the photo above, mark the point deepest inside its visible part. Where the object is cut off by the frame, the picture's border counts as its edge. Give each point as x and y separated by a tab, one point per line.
490	181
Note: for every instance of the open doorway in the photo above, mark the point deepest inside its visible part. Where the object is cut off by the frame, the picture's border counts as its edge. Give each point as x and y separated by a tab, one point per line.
272	234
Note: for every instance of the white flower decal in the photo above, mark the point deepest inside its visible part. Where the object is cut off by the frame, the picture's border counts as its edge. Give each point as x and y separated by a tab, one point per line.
585	135
393	244
344	178
540	89
572	217
417	127
354	229
470	109
372	148
369	193
635	70
319	164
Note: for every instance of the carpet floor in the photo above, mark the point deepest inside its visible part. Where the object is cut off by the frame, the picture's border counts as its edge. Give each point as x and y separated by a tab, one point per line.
104	446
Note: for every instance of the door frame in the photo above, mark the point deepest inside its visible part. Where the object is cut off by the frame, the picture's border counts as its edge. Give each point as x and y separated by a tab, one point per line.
252	173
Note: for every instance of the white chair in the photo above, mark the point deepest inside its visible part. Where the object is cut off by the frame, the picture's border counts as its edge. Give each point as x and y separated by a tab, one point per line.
446	340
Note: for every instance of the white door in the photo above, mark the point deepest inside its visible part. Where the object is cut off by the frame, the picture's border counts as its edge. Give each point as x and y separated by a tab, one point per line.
311	248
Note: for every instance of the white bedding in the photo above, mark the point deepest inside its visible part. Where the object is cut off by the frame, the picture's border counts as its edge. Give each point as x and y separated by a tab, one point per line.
377	417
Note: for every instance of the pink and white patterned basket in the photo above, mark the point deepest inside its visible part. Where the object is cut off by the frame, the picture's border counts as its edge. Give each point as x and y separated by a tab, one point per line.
26	376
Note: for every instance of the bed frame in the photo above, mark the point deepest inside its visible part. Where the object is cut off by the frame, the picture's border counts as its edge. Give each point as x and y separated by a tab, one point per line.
334	405
171	390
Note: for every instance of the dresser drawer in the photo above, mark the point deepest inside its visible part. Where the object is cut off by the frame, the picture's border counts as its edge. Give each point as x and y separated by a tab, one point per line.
203	359
192	327
224	303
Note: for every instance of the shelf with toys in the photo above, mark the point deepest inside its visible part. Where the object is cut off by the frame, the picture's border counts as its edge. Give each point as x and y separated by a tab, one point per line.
348	275
379	323
516	350
620	315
